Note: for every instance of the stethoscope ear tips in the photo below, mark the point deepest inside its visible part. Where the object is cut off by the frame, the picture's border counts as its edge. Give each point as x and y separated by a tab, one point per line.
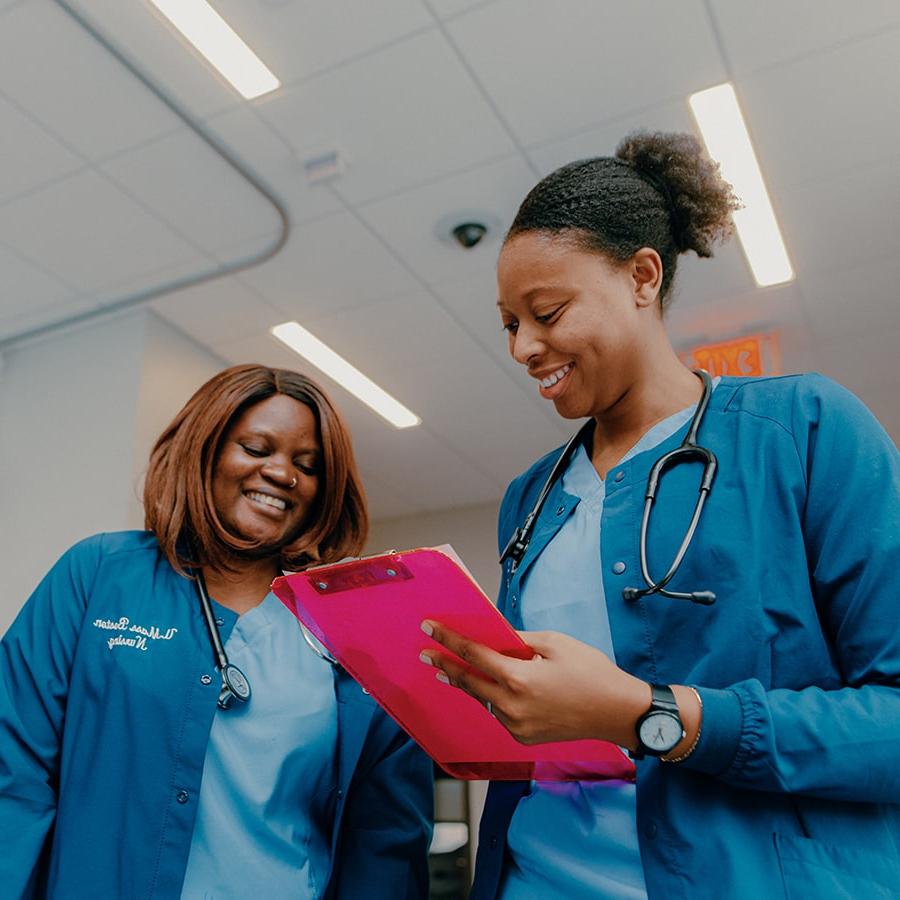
631	593
704	598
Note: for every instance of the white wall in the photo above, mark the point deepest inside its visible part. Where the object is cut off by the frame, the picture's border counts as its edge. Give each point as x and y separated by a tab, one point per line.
174	366
472	530
79	411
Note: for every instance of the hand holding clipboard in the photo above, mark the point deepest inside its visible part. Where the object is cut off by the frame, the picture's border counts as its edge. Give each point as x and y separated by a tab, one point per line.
368	613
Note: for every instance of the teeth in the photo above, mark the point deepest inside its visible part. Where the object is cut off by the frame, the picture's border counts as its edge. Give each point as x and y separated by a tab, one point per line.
267	500
550	380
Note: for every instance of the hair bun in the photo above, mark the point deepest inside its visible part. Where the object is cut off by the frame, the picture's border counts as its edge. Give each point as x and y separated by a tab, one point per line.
700	201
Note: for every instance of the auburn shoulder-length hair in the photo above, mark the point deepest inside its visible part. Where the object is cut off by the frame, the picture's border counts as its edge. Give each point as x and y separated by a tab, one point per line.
178	497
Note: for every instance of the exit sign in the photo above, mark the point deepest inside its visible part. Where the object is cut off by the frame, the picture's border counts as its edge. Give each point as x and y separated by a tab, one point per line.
753	354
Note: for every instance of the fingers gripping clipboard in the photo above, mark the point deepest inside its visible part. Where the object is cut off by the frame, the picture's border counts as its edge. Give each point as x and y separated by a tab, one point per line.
368	612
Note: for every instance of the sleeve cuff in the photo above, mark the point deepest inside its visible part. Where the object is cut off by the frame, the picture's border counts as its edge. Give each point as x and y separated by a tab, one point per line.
720	732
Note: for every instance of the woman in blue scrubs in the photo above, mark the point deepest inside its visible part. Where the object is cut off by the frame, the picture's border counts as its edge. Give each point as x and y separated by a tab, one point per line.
765	725
121	774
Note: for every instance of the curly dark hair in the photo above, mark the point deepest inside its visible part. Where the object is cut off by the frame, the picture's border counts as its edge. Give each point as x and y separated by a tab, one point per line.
659	190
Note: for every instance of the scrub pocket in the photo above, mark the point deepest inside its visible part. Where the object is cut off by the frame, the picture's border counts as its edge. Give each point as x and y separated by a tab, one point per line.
813	869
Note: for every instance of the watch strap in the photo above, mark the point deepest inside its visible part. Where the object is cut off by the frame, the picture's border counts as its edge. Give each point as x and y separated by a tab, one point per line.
663	698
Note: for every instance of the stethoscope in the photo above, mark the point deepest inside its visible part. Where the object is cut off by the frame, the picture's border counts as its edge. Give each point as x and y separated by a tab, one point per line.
235	684
688	450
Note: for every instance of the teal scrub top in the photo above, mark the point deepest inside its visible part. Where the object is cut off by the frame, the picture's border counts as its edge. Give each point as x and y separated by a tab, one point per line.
263	817
577	839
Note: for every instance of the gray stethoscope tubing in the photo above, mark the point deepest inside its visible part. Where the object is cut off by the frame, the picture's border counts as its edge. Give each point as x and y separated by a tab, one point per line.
315	646
688	449
235	685
521	537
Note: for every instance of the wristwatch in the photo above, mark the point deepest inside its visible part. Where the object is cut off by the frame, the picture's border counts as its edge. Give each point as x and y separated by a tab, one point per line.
659	729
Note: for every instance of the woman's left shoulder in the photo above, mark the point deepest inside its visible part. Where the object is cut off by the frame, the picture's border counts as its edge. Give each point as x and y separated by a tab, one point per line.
796	402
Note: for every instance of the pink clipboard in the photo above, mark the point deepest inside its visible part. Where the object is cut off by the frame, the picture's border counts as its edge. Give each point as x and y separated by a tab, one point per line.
367	613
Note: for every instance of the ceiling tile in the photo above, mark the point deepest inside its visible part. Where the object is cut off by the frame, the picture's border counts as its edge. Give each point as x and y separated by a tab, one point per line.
297	39
217	311
328	265
843	220
447	9
383	501
87	98
413	462
188	184
149	41
271	158
759	309
417	223
244	255
20	324
803	132
395	334
401	117
30	155
602	140
472	300
555	68
477	410
849	302
863	362
88	233
26	290
771	31
704	282
155	282
419	466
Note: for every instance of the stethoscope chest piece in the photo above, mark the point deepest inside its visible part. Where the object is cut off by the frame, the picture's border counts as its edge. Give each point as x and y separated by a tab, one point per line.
235	686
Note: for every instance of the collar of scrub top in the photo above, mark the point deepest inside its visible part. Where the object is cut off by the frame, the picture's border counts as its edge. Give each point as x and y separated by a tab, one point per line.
235	684
517	545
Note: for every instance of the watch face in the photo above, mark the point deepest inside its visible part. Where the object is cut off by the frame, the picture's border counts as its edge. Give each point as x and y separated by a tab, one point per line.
660	732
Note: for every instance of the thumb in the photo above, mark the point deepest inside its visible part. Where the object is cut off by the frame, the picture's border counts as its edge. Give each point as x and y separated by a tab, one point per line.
543	643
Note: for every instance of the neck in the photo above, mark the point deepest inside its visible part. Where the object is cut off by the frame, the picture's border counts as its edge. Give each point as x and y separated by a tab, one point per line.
243	588
662	387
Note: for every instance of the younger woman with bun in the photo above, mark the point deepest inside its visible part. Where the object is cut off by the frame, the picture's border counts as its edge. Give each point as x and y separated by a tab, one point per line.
766	747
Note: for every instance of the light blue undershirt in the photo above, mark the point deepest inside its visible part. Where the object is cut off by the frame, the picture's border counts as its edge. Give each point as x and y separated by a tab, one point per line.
573	840
263	826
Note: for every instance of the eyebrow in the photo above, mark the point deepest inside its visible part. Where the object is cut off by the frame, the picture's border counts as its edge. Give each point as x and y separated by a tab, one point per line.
266	433
530	295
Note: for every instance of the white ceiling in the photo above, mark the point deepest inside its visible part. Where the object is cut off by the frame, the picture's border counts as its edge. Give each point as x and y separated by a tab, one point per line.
443	110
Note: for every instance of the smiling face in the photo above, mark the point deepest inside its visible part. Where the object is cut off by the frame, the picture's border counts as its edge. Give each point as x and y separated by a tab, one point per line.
577	321
267	447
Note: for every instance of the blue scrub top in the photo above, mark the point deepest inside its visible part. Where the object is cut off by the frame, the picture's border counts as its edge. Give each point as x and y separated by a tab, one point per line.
574	840
264	820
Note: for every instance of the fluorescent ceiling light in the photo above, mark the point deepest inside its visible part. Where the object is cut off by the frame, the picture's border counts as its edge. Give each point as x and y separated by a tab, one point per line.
728	142
220	44
336	367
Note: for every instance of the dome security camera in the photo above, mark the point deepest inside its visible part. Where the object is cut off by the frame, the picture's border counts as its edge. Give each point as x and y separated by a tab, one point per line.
468	234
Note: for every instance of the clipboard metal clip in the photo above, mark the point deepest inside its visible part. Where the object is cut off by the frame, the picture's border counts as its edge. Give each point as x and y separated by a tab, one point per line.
362	574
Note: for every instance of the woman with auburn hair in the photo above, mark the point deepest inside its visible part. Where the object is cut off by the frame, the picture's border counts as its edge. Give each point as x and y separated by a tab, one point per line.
135	759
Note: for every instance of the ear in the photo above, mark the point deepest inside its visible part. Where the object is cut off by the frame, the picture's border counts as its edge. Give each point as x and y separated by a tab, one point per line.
646	276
